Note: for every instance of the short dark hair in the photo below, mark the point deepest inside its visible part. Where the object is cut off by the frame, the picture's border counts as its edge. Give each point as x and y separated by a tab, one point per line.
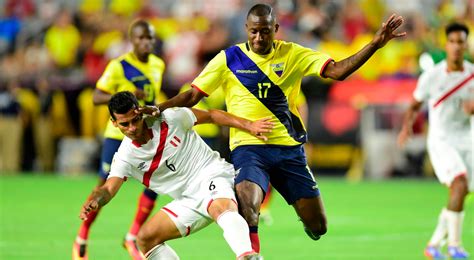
261	10
137	23
455	27
121	103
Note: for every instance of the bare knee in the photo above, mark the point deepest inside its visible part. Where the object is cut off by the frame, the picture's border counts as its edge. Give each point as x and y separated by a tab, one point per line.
147	240
318	227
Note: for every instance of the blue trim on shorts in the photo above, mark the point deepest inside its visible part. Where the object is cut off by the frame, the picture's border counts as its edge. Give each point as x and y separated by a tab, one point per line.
109	148
285	167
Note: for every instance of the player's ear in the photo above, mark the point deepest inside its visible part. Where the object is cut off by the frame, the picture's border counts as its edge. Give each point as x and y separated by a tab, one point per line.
277	26
114	122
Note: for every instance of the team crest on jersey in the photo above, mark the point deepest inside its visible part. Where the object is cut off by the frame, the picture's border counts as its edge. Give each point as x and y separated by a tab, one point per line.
278	68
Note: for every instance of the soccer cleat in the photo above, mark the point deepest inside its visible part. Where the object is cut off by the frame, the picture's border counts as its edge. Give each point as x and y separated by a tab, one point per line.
457	252
251	256
132	248
433	252
79	250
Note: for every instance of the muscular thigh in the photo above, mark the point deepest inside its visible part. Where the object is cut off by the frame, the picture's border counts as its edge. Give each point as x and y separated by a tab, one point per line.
160	228
292	177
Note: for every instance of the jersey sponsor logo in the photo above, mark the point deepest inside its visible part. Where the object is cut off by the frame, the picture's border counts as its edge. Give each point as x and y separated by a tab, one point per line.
278	68
267	92
247	71
141	166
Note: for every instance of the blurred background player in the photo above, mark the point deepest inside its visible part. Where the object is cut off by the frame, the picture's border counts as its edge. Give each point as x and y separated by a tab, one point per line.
261	78
140	72
203	188
445	88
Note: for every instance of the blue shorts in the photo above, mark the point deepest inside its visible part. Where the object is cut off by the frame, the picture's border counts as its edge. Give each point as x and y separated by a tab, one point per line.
109	148
284	167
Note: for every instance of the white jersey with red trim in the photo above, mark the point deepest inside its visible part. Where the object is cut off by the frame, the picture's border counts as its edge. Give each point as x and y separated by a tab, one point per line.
445	92
175	160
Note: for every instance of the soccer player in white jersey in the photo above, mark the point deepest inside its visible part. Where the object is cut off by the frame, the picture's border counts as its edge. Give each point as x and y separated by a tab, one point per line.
448	89
168	157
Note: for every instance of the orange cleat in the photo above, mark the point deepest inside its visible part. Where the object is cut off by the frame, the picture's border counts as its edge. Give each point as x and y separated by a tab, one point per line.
132	248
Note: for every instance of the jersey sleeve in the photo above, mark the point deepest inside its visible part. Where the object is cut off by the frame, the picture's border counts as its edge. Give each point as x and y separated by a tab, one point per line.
211	77
111	78
421	91
311	62
181	116
120	168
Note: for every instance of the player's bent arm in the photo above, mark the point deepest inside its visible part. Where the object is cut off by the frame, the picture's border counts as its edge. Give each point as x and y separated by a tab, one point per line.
101	196
342	69
408	119
100	97
186	99
222	118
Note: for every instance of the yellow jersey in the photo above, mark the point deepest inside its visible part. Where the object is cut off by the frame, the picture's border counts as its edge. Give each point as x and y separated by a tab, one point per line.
127	73
259	86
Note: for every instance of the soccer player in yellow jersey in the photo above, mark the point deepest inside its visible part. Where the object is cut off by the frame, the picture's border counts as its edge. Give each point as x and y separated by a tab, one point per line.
262	78
141	73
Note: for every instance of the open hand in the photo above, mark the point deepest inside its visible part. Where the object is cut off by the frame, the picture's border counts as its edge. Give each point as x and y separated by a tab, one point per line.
149	110
261	126
387	31
89	206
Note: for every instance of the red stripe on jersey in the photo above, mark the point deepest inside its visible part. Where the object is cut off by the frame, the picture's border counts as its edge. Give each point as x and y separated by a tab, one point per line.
171	212
159	153
177	139
196	87
456	88
174	144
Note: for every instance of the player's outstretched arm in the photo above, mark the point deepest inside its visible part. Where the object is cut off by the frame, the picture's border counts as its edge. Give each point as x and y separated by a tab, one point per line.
101	196
257	128
186	99
342	69
408	119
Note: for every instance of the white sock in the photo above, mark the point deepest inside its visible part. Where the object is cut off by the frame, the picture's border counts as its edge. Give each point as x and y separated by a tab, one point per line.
130	237
161	252
455	221
441	229
236	232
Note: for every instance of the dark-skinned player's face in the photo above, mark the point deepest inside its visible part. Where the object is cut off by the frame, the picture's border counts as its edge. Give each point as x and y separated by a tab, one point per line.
456	45
261	33
143	39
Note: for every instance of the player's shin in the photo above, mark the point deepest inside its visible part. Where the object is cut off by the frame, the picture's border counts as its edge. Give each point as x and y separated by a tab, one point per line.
441	229
162	251
235	232
454	221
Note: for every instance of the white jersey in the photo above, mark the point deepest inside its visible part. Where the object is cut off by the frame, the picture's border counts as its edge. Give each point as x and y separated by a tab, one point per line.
175	160
444	92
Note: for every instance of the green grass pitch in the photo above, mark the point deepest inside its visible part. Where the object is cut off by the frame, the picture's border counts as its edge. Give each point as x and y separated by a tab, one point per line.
367	220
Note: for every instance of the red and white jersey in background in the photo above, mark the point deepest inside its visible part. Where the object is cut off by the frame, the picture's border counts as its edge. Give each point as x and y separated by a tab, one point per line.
176	159
445	91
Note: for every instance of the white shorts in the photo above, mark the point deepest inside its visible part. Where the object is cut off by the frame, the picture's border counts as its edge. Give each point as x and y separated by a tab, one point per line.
189	213
450	161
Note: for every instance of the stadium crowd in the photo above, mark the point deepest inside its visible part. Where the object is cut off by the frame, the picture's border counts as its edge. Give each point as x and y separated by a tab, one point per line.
53	52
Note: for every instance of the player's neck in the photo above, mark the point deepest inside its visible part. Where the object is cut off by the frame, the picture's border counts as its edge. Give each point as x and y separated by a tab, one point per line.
143	58
144	137
455	65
